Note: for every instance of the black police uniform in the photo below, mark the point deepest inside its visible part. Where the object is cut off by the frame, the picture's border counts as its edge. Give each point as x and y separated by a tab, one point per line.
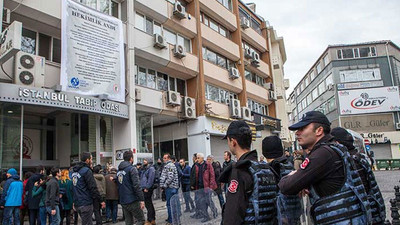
240	186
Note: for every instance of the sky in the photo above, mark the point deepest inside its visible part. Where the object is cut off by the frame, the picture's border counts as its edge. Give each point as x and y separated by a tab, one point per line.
309	26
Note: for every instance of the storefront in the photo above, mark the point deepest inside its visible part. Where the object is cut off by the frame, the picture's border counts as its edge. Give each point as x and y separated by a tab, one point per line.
51	128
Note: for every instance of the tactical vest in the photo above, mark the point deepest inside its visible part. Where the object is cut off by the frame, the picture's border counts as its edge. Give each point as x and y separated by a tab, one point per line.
80	188
125	186
289	206
347	206
261	208
375	198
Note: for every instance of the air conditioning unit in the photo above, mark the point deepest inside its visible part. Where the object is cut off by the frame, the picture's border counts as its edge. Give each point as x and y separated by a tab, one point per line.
234	108
269	86
255	60
245	23
179	10
330	86
233	73
10	41
272	96
159	41
246	113
29	69
397	126
179	51
173	98
6	15
138	95
247	53
188	108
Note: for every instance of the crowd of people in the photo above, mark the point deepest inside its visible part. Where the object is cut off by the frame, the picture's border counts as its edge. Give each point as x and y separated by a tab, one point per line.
249	190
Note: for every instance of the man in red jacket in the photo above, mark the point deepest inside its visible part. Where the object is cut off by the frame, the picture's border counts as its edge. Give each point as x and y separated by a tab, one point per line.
202	179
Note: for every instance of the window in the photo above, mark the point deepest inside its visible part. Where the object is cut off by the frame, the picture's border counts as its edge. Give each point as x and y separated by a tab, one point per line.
326	60
331	104
217	59
290	116
304	103
356	52
28	41
159	81
314	94
257	107
298	91
294	112
329	80
218	94
139	22
226	3
309	99
319	68
151	27
307	81
253	22
206	20
254	78
105	6
312	75
321	88
45	45
299	107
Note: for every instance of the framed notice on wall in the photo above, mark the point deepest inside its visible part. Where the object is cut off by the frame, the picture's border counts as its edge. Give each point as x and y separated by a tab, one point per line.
92	52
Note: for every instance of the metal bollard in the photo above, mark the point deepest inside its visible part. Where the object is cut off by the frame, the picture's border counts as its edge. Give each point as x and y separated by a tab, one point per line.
394	212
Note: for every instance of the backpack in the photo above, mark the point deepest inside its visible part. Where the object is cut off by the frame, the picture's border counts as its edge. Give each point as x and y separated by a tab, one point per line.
156	182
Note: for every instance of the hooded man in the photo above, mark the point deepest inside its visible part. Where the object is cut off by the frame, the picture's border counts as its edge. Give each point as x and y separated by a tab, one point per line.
11	199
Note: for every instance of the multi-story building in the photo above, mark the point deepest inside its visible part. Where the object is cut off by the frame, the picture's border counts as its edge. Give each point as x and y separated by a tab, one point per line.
192	67
356	86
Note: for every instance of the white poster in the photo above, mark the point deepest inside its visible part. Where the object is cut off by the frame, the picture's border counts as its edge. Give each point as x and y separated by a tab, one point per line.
92	52
384	99
359	75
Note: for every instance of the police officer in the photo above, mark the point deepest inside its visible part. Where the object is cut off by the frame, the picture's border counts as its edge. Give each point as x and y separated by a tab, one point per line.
84	189
130	194
375	197
328	175
240	207
289	208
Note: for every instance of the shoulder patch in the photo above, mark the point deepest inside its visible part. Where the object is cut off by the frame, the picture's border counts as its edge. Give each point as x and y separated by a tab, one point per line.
305	163
233	186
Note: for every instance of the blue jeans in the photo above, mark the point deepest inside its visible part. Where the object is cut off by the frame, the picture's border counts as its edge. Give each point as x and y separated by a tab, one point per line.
43	215
112	210
54	219
169	192
11	213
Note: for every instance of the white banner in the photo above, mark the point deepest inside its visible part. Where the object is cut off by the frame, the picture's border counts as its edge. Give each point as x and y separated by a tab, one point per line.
384	99
359	75
92	52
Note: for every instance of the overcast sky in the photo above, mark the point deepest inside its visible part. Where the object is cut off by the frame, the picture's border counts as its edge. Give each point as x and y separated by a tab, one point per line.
309	26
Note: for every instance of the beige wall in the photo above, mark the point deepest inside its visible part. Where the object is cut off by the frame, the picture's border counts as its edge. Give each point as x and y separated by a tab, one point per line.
186	27
262	70
256	92
218	12
254	39
220	44
216	75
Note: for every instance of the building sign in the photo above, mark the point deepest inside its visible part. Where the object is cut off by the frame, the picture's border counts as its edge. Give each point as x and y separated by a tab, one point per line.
370	84
359	75
384	99
92	52
365	123
64	100
375	138
267	121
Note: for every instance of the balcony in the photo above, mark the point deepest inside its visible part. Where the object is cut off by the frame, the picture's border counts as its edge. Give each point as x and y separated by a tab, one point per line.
257	93
185	68
220	44
254	39
148	55
186	26
153	101
218	76
157	9
218	12
219	109
263	69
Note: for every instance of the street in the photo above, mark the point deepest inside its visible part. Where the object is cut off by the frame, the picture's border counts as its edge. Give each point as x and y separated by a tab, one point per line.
386	181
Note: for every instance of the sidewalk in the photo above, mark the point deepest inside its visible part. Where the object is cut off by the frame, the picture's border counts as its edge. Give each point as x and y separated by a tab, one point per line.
161	212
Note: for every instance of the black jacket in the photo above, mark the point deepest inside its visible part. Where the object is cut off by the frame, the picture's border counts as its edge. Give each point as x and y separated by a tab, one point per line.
33	202
84	186
52	193
217	171
129	184
240	182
